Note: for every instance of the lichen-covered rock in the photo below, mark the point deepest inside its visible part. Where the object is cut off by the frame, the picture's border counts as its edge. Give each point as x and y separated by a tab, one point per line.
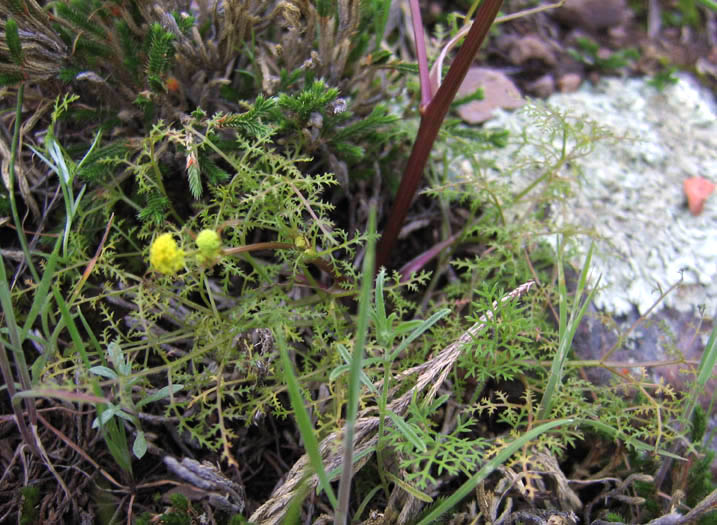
631	192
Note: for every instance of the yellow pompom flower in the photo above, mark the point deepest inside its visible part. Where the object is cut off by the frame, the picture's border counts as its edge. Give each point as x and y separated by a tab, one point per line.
165	256
210	246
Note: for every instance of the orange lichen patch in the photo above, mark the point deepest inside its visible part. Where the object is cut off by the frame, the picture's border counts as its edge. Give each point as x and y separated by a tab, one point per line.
697	190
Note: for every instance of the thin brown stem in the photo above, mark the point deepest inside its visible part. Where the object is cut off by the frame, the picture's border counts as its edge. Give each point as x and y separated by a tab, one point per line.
258	247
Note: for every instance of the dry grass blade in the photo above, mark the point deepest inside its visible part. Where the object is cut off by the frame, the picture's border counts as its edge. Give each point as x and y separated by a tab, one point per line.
433	373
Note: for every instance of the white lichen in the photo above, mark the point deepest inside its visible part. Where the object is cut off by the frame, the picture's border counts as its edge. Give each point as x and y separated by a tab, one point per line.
631	192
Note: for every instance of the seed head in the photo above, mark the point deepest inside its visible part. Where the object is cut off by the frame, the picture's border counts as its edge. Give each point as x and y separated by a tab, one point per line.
210	246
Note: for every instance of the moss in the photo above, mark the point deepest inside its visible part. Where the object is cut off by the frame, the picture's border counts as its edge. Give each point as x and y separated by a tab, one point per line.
30	501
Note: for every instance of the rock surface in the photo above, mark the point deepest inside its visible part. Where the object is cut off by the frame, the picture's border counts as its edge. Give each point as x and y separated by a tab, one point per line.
630	193
499	92
592	14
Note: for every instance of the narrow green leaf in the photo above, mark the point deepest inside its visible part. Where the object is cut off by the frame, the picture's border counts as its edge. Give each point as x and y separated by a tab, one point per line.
454	499
104	372
8	309
705	372
342	369
405	327
338	372
413	491
162	393
380	319
302	419
40	300
69	322
408	432
381	14
364	310
356	459
568	328
425	325
139	448
106	415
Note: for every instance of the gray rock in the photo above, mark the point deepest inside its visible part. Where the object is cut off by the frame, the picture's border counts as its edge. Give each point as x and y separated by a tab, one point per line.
593	15
629	194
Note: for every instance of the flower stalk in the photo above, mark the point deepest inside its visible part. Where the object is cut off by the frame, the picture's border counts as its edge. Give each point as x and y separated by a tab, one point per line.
434	111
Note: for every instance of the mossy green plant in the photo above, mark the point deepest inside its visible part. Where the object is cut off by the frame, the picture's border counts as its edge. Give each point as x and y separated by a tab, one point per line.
30	500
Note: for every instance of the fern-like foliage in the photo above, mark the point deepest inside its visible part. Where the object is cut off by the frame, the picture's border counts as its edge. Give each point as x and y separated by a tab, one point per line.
453	453
160	52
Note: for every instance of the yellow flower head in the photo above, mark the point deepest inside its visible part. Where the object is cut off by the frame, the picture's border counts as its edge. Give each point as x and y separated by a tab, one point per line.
210	246
165	256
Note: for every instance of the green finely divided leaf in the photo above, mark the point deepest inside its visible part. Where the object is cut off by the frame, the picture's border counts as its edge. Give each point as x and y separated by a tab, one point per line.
500	458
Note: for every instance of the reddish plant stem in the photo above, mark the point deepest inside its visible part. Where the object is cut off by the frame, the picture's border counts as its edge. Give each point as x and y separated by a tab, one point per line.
419	37
431	120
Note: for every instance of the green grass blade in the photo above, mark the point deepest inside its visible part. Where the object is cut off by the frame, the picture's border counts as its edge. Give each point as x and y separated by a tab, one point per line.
19	359
382	11
567	330
355	373
705	372
7	308
11	185
500	458
408	432
41	292
380	320
69	322
563	291
425	325
302	419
